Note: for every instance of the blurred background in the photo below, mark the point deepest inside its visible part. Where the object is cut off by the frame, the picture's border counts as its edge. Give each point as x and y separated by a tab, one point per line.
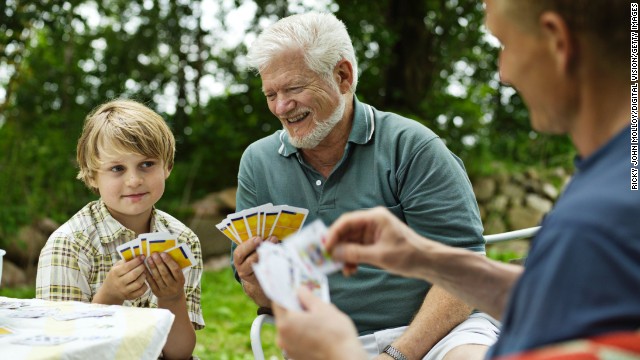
430	60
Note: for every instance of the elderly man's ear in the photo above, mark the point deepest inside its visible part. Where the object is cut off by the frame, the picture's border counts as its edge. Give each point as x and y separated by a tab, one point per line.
343	74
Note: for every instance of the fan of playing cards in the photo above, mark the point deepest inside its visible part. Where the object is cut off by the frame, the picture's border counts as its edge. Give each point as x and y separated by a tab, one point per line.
264	221
300	260
147	244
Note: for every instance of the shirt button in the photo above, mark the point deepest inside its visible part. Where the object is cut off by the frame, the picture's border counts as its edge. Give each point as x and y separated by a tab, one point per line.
318	182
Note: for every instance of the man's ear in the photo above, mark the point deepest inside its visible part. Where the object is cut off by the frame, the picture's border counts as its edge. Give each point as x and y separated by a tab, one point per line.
167	172
343	74
563	46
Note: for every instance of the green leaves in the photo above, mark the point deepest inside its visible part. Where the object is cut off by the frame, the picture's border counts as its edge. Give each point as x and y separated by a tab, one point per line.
429	60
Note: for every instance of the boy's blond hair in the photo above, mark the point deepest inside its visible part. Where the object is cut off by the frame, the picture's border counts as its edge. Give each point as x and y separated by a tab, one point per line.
122	126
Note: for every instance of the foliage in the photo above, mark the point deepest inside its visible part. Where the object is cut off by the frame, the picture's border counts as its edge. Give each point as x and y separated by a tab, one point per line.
26	292
428	60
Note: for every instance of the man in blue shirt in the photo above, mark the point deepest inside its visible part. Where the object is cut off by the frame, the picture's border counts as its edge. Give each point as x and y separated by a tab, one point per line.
570	62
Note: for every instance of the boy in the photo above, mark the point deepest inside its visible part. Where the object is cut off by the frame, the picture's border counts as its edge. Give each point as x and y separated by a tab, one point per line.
125	153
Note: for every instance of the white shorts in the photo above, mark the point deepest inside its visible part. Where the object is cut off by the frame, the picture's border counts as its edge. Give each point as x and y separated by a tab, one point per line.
478	329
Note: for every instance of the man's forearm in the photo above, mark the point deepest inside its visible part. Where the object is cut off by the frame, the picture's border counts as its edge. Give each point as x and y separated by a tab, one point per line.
481	283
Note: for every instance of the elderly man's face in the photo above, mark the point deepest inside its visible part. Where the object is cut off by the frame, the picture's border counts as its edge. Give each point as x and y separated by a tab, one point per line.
305	104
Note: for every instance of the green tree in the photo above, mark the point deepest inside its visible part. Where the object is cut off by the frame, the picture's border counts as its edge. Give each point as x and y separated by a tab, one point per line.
429	60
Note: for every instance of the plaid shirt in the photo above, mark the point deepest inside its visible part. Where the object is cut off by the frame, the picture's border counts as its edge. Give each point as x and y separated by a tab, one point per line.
77	257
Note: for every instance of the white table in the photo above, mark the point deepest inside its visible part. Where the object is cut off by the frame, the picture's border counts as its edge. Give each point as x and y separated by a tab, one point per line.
123	333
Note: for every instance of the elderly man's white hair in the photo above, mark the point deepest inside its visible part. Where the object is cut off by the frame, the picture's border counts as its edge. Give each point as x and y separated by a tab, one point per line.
322	38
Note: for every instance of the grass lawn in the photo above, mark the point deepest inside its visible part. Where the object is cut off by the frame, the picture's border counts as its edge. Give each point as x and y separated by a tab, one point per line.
228	314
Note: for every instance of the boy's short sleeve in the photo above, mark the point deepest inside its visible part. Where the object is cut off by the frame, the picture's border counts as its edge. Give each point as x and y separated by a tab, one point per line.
59	276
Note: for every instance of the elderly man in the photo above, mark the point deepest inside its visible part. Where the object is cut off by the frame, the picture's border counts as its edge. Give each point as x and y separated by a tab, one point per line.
337	154
570	61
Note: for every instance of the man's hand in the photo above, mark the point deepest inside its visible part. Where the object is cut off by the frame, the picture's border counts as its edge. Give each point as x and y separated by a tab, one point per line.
321	331
244	256
378	238
125	281
165	277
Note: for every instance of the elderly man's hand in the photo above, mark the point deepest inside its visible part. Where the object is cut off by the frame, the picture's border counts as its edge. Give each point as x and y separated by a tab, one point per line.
244	256
321	331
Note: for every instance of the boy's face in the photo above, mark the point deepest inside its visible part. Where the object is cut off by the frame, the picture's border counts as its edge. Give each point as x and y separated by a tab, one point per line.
130	184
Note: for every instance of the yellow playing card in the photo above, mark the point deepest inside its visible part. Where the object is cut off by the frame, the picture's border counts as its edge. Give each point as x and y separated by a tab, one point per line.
182	255
160	245
289	221
238	224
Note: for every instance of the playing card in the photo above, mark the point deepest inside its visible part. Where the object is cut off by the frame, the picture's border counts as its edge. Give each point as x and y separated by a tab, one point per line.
310	246
83	314
225	228
289	221
264	221
29	313
44	340
239	226
5	330
160	245
270	216
130	249
252	221
144	243
159	242
275	272
300	261
182	255
12	304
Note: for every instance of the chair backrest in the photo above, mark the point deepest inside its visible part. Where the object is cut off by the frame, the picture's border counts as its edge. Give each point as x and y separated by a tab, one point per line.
512	235
256	335
260	320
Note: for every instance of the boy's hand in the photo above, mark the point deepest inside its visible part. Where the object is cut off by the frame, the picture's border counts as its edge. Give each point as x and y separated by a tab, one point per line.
125	281
165	277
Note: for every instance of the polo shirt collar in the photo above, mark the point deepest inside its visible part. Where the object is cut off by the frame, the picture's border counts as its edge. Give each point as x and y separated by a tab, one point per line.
361	131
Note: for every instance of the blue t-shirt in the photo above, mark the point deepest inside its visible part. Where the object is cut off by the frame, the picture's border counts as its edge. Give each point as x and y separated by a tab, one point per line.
582	276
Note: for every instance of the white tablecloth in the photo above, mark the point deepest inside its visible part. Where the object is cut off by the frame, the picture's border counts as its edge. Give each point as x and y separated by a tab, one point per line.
123	333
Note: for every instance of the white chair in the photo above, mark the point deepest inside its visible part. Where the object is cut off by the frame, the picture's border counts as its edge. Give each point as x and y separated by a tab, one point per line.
256	327
512	235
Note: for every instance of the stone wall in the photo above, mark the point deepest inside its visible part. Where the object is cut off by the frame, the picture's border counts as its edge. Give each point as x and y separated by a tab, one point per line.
516	201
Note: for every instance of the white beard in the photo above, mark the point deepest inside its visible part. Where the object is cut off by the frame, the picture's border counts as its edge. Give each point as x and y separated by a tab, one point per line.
321	129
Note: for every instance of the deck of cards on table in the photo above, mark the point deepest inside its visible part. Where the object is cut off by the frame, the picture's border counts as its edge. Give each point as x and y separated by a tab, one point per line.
264	221
149	243
300	260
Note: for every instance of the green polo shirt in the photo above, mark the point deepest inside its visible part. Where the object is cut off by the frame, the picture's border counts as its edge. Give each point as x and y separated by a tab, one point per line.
388	161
